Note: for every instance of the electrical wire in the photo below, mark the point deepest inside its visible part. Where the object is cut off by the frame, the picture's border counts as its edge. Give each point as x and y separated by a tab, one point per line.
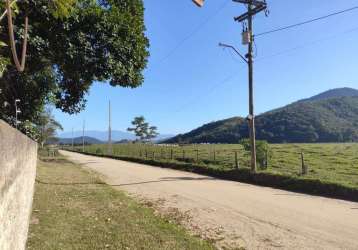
256	50
201	96
304	45
306	22
230	77
233	57
227	79
195	31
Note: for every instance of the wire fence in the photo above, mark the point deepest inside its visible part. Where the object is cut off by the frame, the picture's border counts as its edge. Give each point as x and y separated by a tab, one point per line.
232	157
337	163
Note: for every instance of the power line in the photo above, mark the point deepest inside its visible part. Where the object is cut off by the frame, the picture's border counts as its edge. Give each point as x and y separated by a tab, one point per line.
304	45
201	96
306	22
214	87
233	57
259	59
195	31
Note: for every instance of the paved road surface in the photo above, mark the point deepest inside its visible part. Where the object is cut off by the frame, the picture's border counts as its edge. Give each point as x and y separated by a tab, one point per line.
237	213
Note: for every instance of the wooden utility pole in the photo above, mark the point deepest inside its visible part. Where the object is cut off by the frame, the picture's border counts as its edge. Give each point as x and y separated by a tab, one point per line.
253	7
236	160
109	130
251	118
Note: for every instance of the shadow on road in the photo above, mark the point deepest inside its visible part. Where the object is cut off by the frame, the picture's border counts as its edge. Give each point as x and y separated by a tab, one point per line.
69	183
88	162
164	179
290	194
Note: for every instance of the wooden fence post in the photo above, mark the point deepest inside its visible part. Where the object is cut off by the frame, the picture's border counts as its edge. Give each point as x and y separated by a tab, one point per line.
214	155
266	159
146	154
303	165
237	165
171	154
197	155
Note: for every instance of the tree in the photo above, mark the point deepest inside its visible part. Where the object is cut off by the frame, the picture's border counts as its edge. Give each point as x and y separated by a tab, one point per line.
140	127
98	41
47	127
8	8
142	130
151	133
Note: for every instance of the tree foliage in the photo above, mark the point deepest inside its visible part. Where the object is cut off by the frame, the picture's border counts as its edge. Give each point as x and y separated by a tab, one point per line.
9	9
263	152
97	41
43	129
139	128
47	127
142	130
152	132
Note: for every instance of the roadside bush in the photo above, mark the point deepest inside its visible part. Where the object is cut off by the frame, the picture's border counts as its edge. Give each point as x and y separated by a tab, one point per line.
263	153
99	151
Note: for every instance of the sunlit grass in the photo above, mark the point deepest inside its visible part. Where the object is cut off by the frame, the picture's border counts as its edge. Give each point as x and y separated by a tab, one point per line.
332	163
73	209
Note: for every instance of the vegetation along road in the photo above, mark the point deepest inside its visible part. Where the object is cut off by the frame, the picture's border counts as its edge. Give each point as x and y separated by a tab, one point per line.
74	209
235	214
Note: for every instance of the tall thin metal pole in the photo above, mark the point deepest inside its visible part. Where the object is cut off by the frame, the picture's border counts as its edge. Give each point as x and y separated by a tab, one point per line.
83	136
109	129
17	111
72	140
15	114
251	92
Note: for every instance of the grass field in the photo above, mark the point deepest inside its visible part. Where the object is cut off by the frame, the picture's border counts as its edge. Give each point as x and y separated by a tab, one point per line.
73	209
328	163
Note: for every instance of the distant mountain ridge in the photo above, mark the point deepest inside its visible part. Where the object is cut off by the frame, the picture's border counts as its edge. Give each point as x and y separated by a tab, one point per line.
333	93
76	140
100	135
331	116
117	135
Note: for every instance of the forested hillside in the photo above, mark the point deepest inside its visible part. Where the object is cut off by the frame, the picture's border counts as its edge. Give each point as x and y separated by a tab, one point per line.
329	117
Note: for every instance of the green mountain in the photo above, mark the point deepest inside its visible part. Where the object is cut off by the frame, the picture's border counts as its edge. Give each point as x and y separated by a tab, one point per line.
341	92
331	116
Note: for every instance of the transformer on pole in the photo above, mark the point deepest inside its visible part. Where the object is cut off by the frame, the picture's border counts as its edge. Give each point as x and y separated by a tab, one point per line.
253	7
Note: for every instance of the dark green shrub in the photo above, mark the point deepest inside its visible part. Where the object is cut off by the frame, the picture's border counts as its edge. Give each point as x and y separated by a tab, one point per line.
99	151
263	153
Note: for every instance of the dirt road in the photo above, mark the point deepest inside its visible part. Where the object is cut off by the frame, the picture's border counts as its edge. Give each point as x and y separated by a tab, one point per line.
233	213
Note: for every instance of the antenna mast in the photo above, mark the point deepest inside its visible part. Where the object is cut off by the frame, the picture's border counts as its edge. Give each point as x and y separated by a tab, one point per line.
109	129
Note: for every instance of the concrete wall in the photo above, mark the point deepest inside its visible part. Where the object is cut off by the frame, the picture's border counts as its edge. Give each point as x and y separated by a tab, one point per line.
18	158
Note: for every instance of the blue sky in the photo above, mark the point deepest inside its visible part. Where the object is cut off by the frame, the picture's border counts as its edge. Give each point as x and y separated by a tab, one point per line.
191	81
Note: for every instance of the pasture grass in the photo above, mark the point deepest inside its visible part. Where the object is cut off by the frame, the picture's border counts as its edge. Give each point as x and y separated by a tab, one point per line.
332	163
73	209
